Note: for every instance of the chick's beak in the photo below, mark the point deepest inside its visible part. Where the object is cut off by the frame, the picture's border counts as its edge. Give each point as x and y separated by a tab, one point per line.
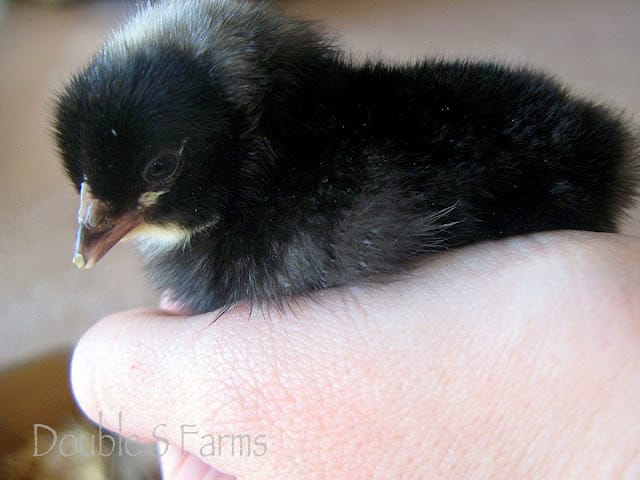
98	228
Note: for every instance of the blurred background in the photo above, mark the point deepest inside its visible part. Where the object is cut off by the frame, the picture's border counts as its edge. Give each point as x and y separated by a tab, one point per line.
46	303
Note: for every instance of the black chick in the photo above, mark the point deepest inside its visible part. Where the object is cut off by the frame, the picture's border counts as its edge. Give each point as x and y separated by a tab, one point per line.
253	161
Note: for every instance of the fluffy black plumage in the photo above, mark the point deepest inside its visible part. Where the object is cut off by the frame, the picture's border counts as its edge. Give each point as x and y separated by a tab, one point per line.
280	167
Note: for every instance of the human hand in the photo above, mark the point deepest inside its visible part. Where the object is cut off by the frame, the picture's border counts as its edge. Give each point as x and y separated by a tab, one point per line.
511	359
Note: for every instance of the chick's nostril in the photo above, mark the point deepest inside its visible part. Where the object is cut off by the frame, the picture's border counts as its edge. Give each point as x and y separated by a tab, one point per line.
93	213
96	219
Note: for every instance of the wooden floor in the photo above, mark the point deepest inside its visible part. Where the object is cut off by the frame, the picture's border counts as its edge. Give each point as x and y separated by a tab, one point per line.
46	303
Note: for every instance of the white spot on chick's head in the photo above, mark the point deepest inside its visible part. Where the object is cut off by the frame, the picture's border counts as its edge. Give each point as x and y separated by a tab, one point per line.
152	239
148	199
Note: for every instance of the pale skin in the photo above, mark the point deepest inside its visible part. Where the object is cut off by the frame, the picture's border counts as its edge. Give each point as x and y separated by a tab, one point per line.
511	359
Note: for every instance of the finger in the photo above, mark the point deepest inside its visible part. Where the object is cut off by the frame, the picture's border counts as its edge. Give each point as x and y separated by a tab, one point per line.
296	387
168	304
179	465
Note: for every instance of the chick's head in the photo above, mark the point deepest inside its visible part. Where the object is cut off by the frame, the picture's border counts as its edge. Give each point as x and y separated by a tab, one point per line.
147	140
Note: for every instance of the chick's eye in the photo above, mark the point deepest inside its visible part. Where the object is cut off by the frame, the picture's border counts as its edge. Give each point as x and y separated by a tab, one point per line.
161	168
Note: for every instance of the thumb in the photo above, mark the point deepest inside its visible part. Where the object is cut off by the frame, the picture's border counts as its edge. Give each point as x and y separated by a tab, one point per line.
241	392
